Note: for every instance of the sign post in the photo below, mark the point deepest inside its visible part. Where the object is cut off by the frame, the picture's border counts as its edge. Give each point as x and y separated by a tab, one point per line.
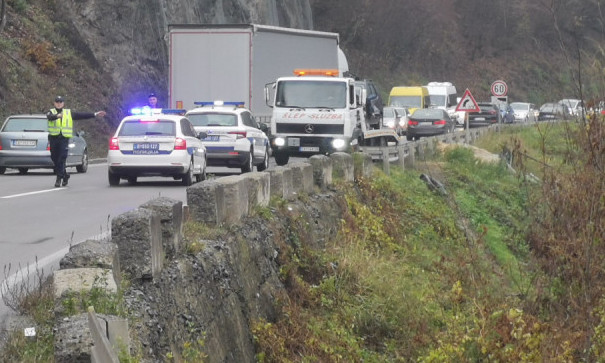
467	104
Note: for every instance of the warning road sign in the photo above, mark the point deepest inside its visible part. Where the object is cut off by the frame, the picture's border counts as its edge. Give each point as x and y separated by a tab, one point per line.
467	103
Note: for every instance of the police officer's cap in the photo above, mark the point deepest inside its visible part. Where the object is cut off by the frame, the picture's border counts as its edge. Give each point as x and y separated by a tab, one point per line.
59	99
151	95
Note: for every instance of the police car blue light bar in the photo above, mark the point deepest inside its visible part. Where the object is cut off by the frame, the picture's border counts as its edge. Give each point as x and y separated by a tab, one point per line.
145	111
220	103
173	111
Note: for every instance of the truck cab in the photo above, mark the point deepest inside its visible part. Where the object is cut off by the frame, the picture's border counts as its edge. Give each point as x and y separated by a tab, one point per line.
314	112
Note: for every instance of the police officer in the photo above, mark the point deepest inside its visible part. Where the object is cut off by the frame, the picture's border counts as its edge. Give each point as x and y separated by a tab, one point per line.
152	101
60	130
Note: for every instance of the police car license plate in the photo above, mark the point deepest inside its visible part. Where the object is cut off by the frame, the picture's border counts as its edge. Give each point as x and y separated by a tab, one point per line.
212	138
146	148
24	142
309	148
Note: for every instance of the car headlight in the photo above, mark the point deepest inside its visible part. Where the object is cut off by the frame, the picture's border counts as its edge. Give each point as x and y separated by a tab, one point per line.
279	141
338	143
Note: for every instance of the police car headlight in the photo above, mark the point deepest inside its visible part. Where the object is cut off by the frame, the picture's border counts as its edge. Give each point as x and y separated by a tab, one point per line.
338	143
279	141
71	145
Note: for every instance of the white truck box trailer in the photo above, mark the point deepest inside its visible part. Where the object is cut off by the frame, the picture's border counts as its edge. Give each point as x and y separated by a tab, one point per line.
233	62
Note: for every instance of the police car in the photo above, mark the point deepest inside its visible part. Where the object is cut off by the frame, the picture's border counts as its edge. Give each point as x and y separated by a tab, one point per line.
155	142
234	138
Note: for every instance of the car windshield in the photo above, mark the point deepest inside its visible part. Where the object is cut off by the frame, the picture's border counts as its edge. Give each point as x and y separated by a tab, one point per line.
312	94
388	112
437	100
148	128
520	106
26	125
549	107
406	101
427	113
213	119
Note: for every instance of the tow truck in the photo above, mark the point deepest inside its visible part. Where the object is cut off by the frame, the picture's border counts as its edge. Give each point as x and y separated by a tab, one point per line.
317	111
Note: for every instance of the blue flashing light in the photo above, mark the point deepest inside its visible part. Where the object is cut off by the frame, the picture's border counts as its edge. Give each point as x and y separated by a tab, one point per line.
173	111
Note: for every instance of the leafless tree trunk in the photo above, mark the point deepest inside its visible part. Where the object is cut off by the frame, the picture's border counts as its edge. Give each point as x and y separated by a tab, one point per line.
2	14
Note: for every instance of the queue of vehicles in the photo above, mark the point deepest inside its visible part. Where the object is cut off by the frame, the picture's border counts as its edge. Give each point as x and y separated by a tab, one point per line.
318	110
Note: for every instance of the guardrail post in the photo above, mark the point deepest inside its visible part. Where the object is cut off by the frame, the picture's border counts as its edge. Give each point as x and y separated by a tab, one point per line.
401	155
386	164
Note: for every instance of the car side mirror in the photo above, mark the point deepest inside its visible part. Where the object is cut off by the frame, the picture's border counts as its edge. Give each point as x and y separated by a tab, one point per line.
81	133
202	135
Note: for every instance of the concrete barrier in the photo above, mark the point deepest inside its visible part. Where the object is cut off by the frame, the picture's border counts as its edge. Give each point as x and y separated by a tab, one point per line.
342	166
322	171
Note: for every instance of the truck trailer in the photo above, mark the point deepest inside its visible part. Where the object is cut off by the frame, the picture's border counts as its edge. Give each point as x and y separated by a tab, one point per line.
233	62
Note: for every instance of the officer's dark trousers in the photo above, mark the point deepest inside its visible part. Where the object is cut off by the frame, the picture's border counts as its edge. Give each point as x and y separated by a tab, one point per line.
58	153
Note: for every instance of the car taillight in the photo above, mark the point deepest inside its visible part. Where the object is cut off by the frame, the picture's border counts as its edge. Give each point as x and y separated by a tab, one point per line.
412	123
239	134
114	144
180	144
47	146
440	122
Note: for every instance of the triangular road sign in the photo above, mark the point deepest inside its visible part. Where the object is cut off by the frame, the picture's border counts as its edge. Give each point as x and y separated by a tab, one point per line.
467	103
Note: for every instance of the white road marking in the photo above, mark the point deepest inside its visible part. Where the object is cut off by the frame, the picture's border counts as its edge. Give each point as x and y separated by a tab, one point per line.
32	193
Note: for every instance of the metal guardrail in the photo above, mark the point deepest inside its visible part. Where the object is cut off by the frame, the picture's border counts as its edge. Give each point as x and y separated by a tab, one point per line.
101	351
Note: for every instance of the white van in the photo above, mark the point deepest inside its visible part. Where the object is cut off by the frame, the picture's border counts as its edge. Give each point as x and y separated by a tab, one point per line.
443	95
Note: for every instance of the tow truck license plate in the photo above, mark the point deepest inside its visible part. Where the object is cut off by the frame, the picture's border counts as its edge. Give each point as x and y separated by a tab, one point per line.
293	141
309	148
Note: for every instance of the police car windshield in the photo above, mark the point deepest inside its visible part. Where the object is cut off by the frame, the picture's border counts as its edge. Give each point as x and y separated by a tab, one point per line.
311	94
213	119
148	128
26	124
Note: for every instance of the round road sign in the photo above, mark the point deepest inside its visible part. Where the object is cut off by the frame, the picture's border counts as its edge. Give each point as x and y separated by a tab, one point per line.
499	88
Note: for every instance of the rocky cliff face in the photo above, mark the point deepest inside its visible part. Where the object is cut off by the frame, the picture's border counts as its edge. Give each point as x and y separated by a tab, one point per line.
127	39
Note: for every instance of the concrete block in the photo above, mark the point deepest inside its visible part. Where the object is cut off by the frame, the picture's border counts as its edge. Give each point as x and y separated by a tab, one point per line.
235	199
171	222
302	177
139	238
259	189
83	279
322	170
342	164
203	201
277	181
93	253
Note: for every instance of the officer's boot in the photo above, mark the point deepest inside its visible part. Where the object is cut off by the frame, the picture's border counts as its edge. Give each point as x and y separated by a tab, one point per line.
58	182
65	180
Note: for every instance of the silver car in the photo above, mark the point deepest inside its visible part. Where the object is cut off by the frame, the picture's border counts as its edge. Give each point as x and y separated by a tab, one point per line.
156	145
234	138
24	145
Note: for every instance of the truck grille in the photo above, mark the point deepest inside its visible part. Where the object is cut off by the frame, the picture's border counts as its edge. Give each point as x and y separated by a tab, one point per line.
317	129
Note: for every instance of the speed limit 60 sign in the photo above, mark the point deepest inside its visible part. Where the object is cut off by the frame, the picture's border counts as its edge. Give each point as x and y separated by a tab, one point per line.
499	88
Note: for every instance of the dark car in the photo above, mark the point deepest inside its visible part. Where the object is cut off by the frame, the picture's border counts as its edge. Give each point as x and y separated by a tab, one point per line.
374	104
489	115
24	145
429	122
553	111
507	113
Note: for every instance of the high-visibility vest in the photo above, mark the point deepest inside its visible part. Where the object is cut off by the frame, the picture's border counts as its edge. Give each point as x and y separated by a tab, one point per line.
63	125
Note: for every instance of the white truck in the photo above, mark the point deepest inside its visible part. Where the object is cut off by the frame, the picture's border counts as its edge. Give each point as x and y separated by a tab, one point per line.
443	95
233	62
319	112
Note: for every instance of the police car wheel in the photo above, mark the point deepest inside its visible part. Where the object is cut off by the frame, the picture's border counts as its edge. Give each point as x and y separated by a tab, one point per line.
113	178
249	164
201	176
188	176
265	164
